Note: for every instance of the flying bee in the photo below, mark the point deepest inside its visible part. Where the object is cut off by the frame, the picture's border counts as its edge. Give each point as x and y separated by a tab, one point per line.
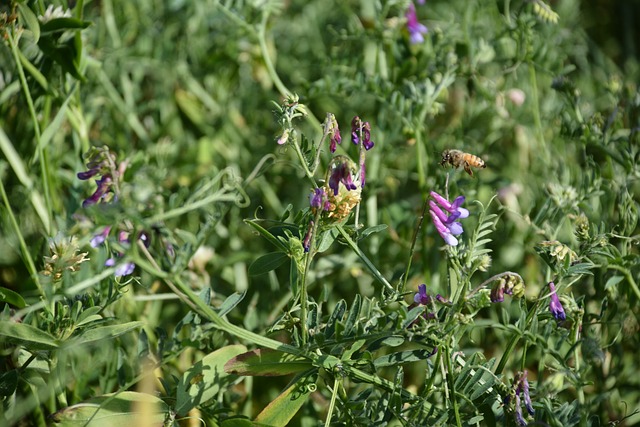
457	158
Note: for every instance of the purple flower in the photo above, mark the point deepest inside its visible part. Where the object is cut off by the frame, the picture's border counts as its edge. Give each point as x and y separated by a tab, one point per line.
335	138
497	292
123	269
306	243
99	238
519	418
104	185
358	127
453	208
416	29
446	225
525	392
422	297
555	307
318	199
341	174
521	388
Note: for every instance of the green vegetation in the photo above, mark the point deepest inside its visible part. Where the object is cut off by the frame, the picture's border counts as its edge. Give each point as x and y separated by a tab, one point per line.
181	244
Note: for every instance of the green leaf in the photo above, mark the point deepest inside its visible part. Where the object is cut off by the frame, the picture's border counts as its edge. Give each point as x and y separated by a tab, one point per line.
326	239
336	316
266	234
267	263
127	408
231	302
375	229
204	380
27	336
13	298
354	314
266	362
104	333
402	357
281	410
8	383
412	315
62	24
393	341
30	20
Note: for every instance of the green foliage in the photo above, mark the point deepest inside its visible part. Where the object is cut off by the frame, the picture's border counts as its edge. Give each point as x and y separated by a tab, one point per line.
180	242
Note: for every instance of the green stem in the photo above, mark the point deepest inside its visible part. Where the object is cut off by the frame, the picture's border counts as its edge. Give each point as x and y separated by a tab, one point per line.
372	268
332	405
304	303
414	239
628	276
31	266
514	339
452	387
36	126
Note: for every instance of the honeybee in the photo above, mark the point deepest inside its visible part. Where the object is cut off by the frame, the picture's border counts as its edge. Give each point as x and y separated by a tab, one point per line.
457	158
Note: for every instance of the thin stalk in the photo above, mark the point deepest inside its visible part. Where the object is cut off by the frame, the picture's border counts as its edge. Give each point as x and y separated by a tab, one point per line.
36	125
304	303
332	405
31	266
372	268
453	398
414	239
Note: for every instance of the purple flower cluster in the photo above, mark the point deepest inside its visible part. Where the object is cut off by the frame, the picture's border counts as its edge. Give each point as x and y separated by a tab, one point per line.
333	131
447	224
318	199
341	173
361	133
100	162
521	388
416	29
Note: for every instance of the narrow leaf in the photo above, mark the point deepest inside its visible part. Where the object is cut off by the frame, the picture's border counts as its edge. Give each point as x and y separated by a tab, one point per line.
267	263
281	410
231	302
402	357
11	297
28	336
127	408
104	333
266	362
204	380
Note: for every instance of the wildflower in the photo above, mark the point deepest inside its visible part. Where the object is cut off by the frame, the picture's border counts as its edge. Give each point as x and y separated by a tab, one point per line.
318	199
416	29
361	129
54	13
555	307
99	238
332	129
284	137
497	292
422	297
519	417
521	387
65	256
341	173
306	242
524	388
342	191
123	269
516	96
452	208
100	162
446	225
